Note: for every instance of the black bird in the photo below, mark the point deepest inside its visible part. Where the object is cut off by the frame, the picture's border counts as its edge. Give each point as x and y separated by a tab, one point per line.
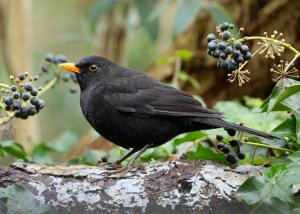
136	111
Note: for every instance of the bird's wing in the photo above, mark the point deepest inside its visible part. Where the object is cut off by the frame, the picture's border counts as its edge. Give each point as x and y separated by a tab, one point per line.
145	97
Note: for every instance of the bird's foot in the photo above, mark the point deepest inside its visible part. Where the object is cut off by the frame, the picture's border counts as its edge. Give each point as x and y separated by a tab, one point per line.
109	166
124	170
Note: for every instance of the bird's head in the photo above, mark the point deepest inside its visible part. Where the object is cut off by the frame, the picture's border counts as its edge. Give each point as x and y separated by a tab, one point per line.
89	69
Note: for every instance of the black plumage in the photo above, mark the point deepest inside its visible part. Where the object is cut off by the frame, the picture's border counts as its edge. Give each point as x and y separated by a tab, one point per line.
136	111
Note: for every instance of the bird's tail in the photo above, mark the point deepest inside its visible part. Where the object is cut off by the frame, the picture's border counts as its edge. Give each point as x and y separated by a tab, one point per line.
219	123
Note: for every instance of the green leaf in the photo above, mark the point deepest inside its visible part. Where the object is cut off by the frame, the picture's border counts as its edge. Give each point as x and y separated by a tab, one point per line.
165	60
158	10
144	8
205	152
101	8
249	191
295	157
186	13
189	137
41	154
287	128
21	200
64	142
274	190
182	75
284	97
14	149
185	55
219	13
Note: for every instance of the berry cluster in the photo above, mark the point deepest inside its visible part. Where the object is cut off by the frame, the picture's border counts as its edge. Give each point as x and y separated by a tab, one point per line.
231	52
50	65
22	101
233	146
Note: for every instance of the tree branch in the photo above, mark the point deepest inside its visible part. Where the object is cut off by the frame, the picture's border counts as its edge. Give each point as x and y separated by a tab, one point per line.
169	187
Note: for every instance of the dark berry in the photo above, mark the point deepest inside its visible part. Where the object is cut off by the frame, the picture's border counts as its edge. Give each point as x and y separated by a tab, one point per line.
40	104
212	45
8	100
233	143
34	101
247	56
34	92
239	60
226	35
244	49
211	37
223	55
8	108
231	159
237	45
45	68
222	64
222	45
25	96
216	53
31	111
220	146
50	57
225	150
104	159
236	53
219	137
229	50
28	86
23	110
231	132
21	76
224	26
24	116
16	106
13	88
18	114
73	77
16	95
73	90
60	58
232	66
65	78
241	156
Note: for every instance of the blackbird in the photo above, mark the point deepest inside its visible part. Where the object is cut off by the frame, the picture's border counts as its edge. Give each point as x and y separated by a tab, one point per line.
136	111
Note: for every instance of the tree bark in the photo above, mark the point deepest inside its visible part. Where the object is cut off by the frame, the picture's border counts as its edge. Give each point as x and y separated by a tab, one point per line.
170	187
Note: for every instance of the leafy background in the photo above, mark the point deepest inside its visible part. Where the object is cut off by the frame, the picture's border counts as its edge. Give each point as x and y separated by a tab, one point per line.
156	37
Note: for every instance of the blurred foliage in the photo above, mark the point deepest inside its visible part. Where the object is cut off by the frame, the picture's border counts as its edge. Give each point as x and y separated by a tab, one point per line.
136	33
17	199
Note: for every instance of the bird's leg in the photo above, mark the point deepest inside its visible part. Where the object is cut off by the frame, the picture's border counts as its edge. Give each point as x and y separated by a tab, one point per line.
118	162
124	169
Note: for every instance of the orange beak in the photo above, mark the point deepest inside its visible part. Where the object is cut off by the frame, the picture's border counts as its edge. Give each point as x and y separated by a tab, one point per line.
70	67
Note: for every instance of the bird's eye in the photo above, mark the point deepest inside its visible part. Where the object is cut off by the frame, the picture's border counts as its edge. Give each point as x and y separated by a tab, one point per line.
93	67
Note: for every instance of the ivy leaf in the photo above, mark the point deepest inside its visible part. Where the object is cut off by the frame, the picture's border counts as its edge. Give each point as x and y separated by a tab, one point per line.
204	152
186	13
184	54
101	8
249	191
219	13
14	149
40	154
182	75
189	137
144	8
287	128
21	200
64	142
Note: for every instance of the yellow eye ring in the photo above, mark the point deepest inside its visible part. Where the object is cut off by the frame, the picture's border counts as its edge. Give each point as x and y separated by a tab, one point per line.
93	67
